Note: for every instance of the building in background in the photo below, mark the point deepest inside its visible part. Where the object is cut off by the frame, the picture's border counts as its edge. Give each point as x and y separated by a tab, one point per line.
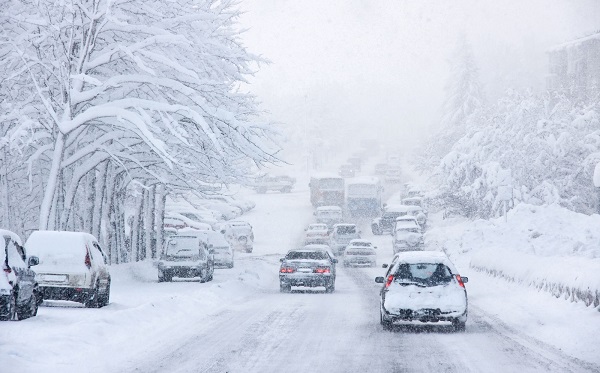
575	67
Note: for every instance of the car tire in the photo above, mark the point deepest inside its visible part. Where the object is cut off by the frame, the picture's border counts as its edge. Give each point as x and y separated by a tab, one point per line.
10	309
29	309
285	288
376	231
104	299
386	324
92	300
331	287
459	326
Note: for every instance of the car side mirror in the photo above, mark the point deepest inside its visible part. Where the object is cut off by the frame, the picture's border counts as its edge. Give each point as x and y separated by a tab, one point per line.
334	260
384	265
464	279
374	247
33	261
222	231
281	260
379	280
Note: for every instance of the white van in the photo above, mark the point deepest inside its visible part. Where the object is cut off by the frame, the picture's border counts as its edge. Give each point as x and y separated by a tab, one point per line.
72	267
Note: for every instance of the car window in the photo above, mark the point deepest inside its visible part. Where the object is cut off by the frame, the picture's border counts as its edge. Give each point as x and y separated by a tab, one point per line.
429	274
312	255
346	229
15	253
98	252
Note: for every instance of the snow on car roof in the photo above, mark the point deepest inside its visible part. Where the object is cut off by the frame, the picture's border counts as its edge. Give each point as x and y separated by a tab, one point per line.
15	237
415	257
360	241
51	240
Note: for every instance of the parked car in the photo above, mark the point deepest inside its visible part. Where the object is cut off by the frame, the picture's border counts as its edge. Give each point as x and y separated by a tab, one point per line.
360	252
19	292
307	267
283	184
221	249
243	205
186	255
72	266
329	215
175	220
346	170
239	234
316	234
200	216
224	210
423	286
341	235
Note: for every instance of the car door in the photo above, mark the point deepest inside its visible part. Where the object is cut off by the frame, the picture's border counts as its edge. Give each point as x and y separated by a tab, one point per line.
25	276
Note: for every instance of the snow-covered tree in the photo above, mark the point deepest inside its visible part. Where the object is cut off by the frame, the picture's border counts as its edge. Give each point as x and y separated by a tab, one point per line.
123	91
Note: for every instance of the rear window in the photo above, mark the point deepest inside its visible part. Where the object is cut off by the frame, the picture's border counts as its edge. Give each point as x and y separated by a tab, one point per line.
428	274
312	255
184	247
346	229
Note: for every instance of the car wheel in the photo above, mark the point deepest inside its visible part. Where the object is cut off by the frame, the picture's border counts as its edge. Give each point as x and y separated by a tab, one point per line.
376	231
10	309
386	324
285	288
331	287
29	309
230	265
104	299
92	299
459	326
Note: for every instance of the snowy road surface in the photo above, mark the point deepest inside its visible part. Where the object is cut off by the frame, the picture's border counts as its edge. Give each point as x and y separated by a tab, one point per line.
240	322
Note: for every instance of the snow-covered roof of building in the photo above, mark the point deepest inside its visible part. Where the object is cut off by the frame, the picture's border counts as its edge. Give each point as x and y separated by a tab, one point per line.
576	42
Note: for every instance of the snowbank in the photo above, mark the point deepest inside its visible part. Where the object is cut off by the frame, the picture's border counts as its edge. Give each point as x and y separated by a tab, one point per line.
546	247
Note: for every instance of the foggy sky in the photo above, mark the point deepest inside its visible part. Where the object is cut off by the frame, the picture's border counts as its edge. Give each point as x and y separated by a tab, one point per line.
340	67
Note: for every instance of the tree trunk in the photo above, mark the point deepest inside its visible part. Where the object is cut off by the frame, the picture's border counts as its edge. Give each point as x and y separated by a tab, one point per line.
53	176
150	236
136	229
160	220
99	206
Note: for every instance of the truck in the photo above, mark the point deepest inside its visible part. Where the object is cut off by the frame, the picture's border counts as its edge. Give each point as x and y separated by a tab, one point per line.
327	190
363	197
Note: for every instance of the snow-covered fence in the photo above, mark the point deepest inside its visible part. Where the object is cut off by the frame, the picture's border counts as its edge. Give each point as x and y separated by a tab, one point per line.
574	279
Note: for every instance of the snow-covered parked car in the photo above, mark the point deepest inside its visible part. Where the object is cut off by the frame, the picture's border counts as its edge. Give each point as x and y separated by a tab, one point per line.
316	234
283	184
186	255
72	266
423	286
221	249
175	220
225	211
360	252
242	204
329	215
239	234
307	267
341	235
19	292
200	216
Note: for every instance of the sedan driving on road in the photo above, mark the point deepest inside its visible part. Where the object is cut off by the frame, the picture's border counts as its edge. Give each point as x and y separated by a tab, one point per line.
423	286
307	267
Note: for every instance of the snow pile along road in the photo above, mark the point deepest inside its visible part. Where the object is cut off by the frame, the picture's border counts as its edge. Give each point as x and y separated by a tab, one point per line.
546	247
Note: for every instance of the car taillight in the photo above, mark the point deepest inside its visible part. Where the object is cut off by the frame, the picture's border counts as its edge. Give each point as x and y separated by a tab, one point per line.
287	270
460	281
389	281
88	261
7	270
323	270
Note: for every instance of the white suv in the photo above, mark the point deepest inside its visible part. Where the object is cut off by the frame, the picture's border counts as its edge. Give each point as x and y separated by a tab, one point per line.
72	267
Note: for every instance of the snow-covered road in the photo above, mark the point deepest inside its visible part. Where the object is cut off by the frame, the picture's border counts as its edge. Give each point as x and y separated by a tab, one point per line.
240	322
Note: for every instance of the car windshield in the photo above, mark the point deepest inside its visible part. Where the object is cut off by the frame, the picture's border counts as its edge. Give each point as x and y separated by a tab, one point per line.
391	215
360	243
428	274
317	227
312	255
407	230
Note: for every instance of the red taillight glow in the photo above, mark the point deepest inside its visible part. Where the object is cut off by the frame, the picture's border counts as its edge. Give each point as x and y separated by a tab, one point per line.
88	261
323	270
460	281
7	270
287	270
389	281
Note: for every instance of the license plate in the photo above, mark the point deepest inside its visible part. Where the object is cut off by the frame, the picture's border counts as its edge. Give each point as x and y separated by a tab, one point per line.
55	278
305	270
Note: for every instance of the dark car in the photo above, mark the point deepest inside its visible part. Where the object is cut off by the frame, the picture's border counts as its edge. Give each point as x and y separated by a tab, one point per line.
186	255
19	292
307	267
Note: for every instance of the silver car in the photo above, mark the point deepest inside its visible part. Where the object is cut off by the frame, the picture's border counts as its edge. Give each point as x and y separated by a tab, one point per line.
307	267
